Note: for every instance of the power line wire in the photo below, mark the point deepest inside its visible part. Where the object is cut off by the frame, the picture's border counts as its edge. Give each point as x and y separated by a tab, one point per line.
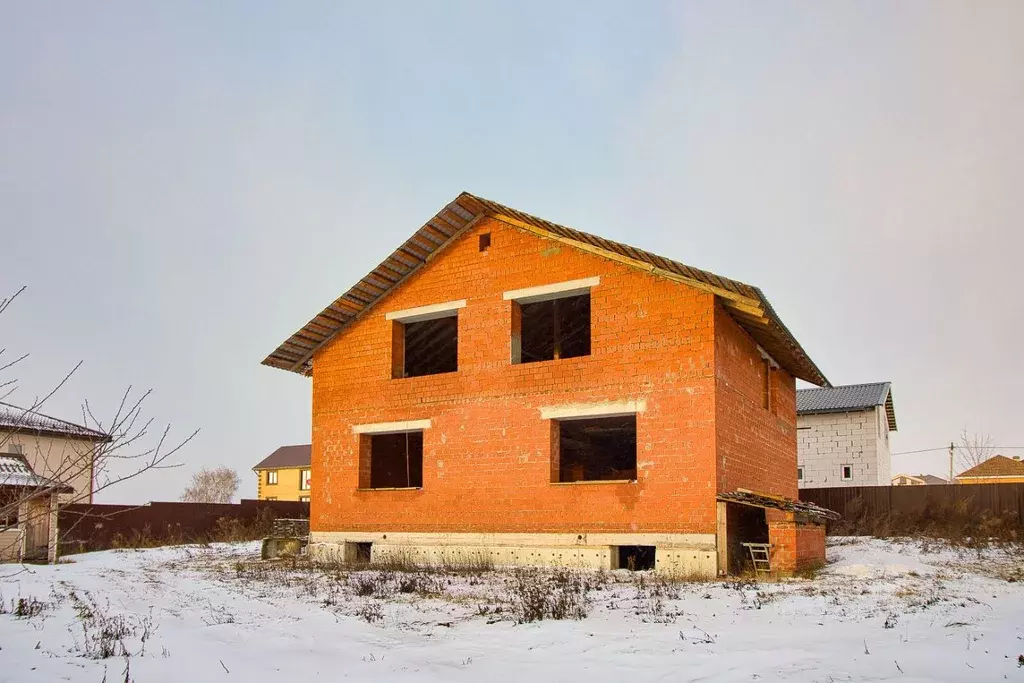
946	448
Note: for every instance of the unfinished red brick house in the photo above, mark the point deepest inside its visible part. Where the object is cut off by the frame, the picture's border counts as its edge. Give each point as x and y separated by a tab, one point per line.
507	388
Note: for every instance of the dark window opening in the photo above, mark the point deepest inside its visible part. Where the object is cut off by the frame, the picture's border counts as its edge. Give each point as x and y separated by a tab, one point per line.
396	460
766	386
485	241
846	472
636	558
800	473
596	449
744	524
558	328
428	347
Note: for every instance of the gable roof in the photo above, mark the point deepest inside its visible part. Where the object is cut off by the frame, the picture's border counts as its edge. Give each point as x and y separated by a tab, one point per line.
31	421
996	466
15	471
747	304
847	398
286	456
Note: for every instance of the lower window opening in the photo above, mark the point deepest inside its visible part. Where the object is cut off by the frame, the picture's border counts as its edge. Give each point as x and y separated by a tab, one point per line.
636	558
396	460
597	449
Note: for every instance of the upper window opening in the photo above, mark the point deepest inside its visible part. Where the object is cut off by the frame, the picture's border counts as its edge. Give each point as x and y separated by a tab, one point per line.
846	472
485	241
271	477
553	329
766	386
595	449
304	480
427	347
800	473
393	460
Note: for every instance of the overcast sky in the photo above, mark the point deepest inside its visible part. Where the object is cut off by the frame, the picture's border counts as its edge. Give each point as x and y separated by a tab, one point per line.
183	185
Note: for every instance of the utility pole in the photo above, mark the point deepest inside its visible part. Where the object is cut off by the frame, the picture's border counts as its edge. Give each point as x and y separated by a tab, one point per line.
951	462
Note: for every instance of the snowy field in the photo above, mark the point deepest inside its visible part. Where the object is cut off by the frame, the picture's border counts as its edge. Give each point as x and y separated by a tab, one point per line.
880	611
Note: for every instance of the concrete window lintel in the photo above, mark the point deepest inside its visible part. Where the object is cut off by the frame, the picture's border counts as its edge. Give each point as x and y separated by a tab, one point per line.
580	411
558	290
431	312
391	427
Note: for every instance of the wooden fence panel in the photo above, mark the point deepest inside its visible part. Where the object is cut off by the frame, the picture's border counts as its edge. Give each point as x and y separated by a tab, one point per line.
891	503
85	527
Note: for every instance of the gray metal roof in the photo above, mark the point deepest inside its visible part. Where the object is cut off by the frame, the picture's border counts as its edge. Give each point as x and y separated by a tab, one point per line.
26	420
15	471
286	456
847	398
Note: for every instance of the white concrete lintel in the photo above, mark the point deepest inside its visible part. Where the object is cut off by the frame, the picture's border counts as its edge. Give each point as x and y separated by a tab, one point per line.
431	312
391	427
558	290
580	411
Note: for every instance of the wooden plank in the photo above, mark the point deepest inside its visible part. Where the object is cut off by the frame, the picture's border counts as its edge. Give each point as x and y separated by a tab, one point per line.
722	538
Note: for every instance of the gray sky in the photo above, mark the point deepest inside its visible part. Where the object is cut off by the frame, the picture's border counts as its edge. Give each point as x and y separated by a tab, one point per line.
183	185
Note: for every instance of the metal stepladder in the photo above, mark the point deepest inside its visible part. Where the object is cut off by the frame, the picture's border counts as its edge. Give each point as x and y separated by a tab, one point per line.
760	557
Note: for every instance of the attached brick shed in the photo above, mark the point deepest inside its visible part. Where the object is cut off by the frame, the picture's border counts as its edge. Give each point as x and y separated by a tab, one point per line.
506	388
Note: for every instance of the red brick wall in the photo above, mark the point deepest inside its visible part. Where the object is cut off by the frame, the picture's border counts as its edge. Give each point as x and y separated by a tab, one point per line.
756	447
795	545
486	456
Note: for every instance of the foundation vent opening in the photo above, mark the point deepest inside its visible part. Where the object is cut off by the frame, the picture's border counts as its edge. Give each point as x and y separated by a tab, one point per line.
635	558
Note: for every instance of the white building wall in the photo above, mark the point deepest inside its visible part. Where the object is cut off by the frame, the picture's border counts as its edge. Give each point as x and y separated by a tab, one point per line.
826	442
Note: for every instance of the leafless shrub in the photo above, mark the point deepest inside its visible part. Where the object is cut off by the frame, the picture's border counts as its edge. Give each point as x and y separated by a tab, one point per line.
26	608
104	635
534	594
371	612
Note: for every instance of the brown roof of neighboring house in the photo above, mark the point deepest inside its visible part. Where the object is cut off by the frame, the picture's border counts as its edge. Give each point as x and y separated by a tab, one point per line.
286	456
996	466
745	303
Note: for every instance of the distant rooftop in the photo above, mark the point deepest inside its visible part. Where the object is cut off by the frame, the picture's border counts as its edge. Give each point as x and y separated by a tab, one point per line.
996	466
286	456
846	398
26	420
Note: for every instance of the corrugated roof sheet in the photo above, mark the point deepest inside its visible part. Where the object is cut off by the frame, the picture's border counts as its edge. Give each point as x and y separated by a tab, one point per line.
14	418
747	304
996	466
286	456
15	471
847	398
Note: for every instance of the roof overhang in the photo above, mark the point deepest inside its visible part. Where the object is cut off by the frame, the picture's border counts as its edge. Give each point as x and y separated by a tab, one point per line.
765	501
745	303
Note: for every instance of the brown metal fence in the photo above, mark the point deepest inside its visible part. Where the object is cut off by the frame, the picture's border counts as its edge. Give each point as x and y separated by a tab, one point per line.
892	504
85	527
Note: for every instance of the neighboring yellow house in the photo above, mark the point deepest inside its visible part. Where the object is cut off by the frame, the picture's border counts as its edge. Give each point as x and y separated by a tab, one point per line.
284	474
996	470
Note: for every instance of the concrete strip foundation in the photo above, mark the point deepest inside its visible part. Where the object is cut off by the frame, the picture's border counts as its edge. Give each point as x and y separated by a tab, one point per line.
691	555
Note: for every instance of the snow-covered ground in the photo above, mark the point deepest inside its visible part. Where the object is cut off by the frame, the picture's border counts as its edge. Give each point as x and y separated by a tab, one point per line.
880	611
